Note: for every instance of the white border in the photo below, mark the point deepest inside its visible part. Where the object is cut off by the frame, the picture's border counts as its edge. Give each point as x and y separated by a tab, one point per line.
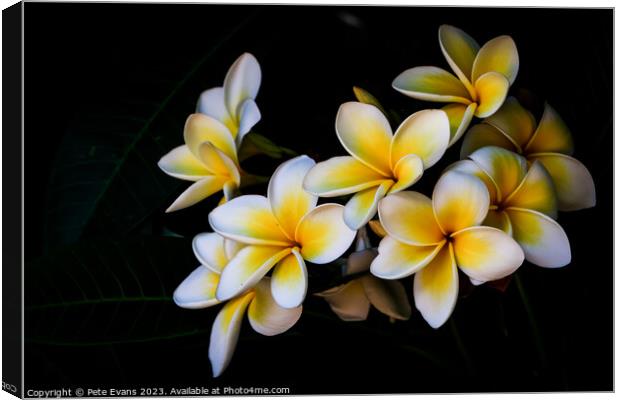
481	3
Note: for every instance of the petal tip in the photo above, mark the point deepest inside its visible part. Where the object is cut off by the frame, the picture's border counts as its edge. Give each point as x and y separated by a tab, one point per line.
216	369
222	294
175	298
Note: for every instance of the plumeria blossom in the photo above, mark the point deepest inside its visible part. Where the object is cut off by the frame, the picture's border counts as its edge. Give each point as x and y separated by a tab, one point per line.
434	238
351	301
523	203
550	143
233	104
208	158
284	230
483	77
212	136
198	291
380	163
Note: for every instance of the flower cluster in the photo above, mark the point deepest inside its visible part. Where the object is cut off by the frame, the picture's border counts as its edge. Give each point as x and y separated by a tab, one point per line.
213	134
487	213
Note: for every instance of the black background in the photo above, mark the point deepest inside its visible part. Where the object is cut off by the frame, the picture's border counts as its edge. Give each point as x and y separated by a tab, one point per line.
82	63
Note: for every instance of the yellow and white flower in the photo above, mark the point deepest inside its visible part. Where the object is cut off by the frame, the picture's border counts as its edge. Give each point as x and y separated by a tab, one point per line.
198	291
285	228
233	104
380	163
484	77
434	238
208	158
523	203
514	128
212	136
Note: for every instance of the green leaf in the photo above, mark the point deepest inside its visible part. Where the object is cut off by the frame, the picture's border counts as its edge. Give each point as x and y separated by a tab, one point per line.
104	292
255	143
105	180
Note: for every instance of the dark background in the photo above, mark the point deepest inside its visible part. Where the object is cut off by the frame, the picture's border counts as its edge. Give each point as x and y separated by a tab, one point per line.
107	89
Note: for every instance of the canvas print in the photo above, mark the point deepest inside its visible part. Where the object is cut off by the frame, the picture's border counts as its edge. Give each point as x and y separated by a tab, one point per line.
290	200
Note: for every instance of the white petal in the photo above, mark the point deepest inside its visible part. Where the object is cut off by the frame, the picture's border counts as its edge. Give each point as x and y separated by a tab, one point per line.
498	55
460	51
470	167
551	136
232	247
543	240
397	260
515	123
211	103
247	268
218	162
248	219
362	207
289	201
289	281
242	82
339	176
209	250
359	261
198	289
436	288
323	235
572	180
409	217
485	253
425	133
348	301
182	164
536	192
460	117
249	115
431	84
460	201
200	128
198	191
266	316
407	171
505	168
225	332
366	134
492	89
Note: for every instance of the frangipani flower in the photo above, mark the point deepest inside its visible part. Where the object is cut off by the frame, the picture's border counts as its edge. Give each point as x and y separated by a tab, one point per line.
198	291
523	203
514	128
208	158
484	77
351	301
434	238
233	104
380	163
284	228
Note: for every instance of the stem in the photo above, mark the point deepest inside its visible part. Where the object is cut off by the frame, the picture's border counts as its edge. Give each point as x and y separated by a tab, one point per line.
530	315
362	242
462	349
